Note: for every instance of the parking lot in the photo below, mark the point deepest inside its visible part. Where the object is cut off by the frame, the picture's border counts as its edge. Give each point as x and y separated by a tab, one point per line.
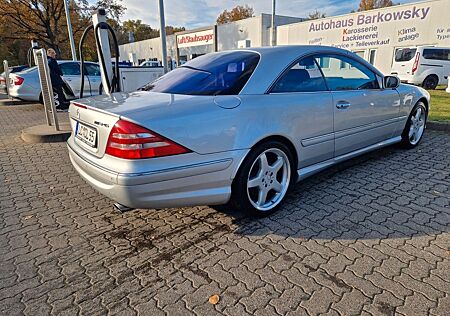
368	237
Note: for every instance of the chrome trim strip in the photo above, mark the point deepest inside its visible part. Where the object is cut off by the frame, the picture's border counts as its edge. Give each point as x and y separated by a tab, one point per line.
201	164
310	170
363	128
155	172
317	139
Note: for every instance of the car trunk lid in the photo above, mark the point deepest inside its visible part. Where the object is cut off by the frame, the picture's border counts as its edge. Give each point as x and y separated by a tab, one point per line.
91	127
158	112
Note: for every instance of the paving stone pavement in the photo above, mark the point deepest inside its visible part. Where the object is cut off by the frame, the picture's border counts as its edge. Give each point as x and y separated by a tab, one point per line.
368	237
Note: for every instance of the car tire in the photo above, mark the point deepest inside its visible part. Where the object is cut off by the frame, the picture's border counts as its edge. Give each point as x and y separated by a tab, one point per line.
41	99
263	179
415	126
430	82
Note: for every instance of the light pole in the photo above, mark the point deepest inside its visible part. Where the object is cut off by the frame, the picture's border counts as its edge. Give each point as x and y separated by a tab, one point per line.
69	30
274	30
162	34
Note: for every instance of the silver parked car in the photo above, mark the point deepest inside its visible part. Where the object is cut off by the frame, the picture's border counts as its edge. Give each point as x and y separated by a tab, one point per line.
25	85
240	126
3	79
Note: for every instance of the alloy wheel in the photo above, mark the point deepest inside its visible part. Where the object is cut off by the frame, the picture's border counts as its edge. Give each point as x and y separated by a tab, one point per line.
417	126
268	179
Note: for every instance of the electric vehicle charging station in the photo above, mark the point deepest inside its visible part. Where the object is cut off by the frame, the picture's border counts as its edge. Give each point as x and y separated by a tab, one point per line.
6	70
53	131
40	59
114	77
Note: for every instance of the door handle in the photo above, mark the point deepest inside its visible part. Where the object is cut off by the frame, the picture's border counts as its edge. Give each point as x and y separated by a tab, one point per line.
342	105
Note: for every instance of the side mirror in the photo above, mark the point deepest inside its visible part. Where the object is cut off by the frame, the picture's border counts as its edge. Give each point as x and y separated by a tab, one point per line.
391	82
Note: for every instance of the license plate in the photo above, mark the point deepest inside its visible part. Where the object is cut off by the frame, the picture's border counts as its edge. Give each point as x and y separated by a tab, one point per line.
86	134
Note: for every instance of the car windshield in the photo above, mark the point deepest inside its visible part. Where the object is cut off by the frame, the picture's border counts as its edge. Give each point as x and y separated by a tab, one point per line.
212	74
405	54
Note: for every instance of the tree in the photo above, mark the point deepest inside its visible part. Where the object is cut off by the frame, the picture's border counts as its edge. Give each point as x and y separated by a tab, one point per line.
45	21
140	30
374	4
237	13
316	15
174	29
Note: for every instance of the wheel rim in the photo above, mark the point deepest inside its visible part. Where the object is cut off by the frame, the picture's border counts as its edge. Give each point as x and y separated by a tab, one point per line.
417	126
268	179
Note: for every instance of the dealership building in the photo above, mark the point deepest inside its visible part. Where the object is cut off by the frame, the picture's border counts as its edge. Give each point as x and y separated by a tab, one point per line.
375	35
251	32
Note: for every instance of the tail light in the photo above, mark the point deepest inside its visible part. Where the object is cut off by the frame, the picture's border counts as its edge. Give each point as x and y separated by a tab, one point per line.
416	63
79	105
2	80
18	80
131	141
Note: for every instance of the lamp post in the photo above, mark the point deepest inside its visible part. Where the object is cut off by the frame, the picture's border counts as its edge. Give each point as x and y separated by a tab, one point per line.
162	34
69	30
274	30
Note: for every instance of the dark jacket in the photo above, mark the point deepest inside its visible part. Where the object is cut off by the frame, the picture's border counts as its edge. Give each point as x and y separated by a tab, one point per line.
55	72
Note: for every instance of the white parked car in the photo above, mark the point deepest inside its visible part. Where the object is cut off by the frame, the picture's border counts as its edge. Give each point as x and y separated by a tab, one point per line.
25	85
424	66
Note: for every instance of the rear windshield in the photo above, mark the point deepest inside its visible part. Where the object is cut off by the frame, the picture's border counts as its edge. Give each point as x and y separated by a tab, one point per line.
212	74
405	54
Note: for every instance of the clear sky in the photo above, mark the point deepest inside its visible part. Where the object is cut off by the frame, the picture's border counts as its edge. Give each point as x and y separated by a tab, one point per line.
196	13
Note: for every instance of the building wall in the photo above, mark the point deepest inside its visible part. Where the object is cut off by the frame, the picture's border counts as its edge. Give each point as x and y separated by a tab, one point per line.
145	49
256	29
279	21
229	34
382	30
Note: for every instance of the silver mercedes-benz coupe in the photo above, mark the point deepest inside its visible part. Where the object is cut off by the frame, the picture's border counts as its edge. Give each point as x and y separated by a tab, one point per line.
240	127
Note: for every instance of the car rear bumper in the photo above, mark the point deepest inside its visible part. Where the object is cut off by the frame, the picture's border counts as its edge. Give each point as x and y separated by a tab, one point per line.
411	79
205	183
24	92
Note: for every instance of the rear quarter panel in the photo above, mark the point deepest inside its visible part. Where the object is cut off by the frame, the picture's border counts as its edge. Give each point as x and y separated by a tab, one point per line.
206	128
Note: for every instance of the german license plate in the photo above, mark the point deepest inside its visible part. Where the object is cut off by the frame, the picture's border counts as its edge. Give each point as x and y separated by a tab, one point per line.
86	134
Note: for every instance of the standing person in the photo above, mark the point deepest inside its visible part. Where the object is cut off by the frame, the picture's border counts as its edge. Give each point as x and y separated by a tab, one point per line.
57	82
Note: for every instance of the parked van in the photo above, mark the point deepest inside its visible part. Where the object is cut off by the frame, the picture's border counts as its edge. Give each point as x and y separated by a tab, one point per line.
425	66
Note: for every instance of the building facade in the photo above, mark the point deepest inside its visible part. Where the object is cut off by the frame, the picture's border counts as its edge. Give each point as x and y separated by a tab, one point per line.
376	34
251	32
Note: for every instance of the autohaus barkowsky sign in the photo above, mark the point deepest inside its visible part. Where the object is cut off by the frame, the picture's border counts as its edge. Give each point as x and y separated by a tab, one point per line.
371	18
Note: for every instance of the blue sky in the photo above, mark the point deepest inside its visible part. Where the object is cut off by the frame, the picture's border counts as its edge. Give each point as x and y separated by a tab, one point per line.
196	13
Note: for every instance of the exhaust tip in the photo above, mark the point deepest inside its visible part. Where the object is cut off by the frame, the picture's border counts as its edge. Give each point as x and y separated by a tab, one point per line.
122	208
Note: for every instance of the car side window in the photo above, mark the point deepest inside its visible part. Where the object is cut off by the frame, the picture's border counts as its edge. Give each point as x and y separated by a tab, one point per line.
70	69
304	76
92	69
344	73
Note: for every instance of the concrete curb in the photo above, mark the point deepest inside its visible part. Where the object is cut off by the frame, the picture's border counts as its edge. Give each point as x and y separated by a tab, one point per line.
439	126
46	134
